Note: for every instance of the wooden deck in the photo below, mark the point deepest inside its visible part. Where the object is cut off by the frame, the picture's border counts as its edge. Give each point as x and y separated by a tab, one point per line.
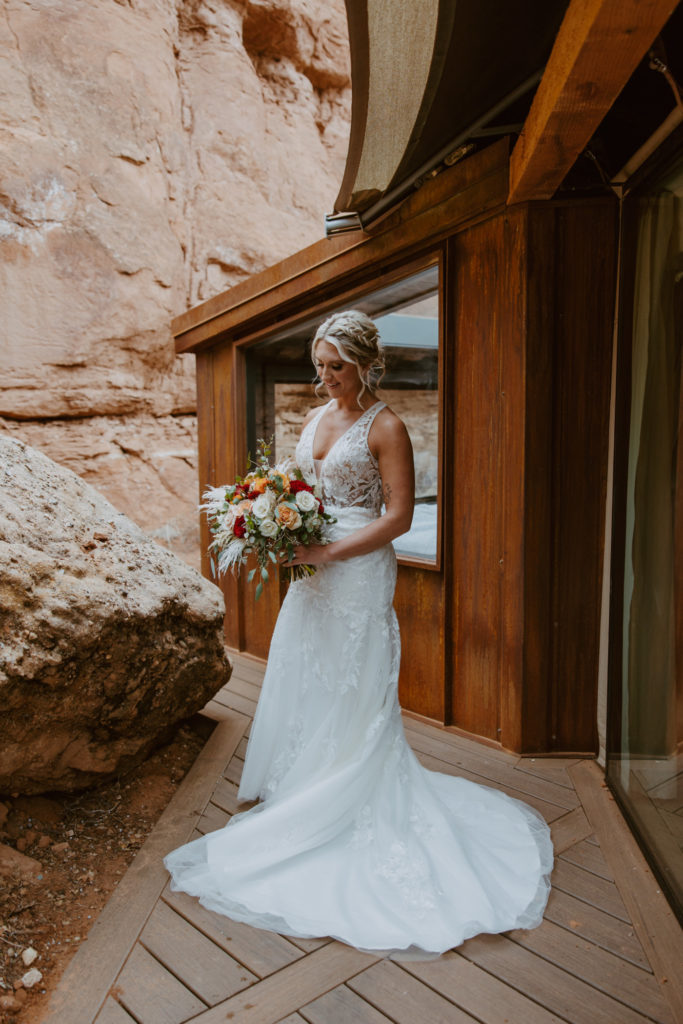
608	952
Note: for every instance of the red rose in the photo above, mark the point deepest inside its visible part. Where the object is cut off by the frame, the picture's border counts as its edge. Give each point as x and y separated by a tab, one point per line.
253	495
239	527
299	485
321	507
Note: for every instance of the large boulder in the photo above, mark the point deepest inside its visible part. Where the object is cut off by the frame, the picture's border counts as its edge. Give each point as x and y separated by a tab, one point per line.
106	639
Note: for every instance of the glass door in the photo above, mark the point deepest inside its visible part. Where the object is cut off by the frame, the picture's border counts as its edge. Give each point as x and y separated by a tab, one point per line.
645	727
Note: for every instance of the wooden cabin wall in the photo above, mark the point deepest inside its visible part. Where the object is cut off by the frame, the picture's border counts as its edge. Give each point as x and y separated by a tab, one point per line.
483	490
585	273
531	293
419	604
502	641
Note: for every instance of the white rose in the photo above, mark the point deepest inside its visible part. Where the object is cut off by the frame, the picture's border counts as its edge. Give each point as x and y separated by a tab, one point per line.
263	505
306	501
268	528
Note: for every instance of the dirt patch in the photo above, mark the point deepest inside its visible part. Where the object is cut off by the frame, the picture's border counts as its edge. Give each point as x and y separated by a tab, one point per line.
83	844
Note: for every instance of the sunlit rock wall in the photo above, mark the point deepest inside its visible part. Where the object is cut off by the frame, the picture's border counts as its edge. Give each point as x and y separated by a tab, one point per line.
152	153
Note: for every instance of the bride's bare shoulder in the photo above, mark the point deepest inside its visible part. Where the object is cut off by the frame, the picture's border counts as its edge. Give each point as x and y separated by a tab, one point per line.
388	430
309	415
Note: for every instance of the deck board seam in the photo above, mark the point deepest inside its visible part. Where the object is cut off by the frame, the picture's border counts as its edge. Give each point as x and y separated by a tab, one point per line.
586	981
646	919
169	970
526	995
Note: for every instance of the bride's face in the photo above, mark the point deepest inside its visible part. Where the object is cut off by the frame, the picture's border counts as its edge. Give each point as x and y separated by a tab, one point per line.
339	377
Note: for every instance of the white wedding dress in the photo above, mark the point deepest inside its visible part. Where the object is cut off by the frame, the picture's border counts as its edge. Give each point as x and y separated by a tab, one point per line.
354	838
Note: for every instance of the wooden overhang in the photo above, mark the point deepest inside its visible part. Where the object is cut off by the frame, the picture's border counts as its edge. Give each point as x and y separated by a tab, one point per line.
428	76
598	47
301	280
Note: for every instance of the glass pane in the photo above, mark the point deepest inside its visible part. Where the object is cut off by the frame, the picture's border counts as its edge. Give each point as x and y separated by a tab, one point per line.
280	390
645	762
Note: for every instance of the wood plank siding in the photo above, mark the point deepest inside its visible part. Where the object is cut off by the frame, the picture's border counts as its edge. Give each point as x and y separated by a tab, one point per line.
501	639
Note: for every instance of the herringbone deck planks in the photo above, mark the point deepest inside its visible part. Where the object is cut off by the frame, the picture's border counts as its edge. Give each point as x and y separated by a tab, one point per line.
584	965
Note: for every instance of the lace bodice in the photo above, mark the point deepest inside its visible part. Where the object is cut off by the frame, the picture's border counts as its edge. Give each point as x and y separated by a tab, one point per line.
349	473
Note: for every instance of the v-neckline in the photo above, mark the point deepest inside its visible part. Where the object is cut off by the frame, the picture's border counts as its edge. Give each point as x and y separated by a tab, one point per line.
316	424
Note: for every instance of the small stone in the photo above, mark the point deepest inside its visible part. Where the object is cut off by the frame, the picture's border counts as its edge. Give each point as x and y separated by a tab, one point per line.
13	861
43	842
21	995
21	844
59	847
29	955
32	977
31	837
10	1004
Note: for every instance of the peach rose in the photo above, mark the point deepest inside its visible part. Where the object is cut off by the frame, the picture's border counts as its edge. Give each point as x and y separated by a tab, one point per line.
243	507
288	517
258	484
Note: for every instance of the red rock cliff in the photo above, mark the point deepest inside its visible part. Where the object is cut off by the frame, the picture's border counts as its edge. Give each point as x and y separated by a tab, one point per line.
152	153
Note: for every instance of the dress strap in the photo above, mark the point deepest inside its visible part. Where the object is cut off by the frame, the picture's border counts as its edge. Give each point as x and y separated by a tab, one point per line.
368	417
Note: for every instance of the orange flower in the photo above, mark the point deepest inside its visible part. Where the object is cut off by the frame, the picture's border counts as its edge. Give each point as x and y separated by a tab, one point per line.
288	517
258	484
275	473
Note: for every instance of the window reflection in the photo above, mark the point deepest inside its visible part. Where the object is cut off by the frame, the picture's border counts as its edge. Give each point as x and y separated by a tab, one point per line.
280	393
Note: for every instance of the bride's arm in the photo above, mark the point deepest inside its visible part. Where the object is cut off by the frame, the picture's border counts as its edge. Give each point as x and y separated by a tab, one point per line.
391	446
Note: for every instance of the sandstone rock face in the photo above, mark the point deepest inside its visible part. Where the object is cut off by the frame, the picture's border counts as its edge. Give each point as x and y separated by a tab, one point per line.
152	153
106	639
145	465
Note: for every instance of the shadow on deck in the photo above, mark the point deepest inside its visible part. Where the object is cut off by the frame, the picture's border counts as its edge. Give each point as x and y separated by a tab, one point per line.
608	952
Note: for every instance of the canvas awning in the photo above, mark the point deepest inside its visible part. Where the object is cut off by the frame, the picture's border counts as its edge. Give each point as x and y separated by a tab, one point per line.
452	70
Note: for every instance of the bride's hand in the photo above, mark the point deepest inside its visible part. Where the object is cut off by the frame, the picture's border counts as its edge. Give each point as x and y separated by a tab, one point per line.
312	554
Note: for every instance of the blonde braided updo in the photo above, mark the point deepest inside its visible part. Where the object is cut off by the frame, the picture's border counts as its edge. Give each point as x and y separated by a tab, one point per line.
356	339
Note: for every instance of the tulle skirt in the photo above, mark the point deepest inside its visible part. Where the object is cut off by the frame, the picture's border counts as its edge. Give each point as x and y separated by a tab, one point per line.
354	838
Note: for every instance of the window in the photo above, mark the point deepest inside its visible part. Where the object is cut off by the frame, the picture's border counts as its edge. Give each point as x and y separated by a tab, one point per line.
280	388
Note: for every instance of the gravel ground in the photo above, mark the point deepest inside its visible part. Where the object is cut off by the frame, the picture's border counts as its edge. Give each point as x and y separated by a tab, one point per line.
83	844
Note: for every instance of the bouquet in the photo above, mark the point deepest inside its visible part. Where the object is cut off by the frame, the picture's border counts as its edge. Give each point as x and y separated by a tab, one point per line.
267	513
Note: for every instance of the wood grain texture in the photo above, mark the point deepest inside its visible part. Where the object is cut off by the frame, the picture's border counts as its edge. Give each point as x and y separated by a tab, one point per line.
206	445
98	961
654	921
193	958
419	604
550	986
404	998
113	1013
150	992
478	993
262	952
607	972
595	925
284	992
472	492
343	1006
584	965
598	47
585	247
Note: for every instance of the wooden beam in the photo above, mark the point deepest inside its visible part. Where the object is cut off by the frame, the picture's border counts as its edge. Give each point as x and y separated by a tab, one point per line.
598	47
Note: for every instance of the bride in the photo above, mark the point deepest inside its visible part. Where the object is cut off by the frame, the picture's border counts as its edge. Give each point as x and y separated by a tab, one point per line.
353	838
